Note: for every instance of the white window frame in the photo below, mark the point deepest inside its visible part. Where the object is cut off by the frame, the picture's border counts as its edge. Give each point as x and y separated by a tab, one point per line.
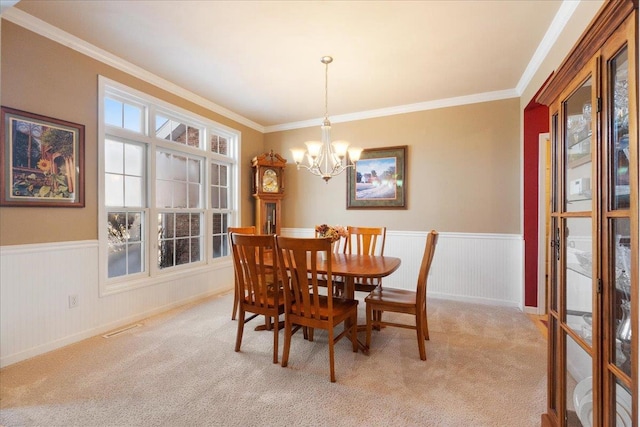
152	106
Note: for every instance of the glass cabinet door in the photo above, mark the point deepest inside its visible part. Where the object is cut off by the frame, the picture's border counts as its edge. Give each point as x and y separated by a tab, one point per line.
618	270
580	271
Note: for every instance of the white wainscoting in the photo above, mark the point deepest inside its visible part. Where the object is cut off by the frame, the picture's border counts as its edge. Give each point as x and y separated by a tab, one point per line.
481	268
37	280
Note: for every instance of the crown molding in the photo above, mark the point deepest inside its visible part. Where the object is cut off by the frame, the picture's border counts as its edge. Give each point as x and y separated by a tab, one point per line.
550	37
51	32
401	109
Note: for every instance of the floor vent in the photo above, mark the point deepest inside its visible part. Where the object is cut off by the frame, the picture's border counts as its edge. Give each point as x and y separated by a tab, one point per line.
121	330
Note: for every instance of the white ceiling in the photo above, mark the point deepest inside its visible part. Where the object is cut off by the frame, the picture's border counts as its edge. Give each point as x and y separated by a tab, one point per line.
261	59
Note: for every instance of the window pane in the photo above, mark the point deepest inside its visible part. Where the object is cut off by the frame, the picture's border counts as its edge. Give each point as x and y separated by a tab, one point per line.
194	195
179	168
133	159
182	225
113	112
223	199
213	141
219	144
195	224
182	251
217	224
193	137
113	156
194	170
195	249
132	118
133	192
223	175
215	197
163	165
135	258
225	247
217	246
164	194
125	257
135	226
179	195
223	146
114	190
215	174
165	224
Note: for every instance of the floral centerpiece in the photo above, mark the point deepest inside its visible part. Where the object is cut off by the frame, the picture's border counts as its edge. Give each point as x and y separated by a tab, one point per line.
335	232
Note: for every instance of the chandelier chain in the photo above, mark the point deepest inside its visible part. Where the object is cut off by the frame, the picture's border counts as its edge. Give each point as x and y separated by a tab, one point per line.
326	91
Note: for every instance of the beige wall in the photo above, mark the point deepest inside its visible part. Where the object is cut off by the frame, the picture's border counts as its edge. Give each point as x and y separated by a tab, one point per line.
44	77
463	171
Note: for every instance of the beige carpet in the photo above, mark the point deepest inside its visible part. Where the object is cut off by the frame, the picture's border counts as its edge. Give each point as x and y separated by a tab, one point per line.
486	367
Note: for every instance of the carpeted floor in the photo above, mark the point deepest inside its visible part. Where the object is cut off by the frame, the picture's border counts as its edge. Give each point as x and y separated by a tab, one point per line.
486	366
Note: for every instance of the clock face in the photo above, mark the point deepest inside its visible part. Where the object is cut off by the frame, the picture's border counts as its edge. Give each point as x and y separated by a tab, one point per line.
270	181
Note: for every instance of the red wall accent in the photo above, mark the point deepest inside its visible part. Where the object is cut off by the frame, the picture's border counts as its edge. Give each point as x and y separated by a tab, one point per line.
536	121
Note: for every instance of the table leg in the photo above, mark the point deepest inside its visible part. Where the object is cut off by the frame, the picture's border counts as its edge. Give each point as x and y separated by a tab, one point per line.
350	293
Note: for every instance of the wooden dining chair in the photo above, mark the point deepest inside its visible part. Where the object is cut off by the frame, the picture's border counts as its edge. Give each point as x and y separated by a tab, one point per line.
305	304
366	241
259	289
387	299
241	230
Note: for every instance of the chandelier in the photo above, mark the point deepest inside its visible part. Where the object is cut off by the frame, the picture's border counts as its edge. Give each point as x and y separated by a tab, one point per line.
325	158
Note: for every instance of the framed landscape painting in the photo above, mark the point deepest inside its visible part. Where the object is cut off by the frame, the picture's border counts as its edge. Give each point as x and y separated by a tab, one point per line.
378	179
43	161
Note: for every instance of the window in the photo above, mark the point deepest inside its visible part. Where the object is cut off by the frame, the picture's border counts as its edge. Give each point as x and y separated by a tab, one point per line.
169	180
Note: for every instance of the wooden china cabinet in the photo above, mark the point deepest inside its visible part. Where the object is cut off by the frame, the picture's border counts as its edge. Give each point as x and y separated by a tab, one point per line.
593	277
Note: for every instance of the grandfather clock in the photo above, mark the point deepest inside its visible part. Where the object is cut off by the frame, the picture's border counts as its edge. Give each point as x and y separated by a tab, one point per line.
268	190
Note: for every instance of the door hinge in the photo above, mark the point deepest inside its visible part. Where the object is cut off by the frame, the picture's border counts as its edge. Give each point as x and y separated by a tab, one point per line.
599	286
599	105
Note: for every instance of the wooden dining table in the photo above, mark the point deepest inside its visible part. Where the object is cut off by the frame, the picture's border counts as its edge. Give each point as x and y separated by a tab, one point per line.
352	266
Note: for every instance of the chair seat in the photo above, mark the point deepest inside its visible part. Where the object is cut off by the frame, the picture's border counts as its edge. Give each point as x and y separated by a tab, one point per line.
271	301
365	287
340	306
392	296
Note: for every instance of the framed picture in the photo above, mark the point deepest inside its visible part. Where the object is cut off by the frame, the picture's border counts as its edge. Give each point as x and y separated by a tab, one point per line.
43	161
378	179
